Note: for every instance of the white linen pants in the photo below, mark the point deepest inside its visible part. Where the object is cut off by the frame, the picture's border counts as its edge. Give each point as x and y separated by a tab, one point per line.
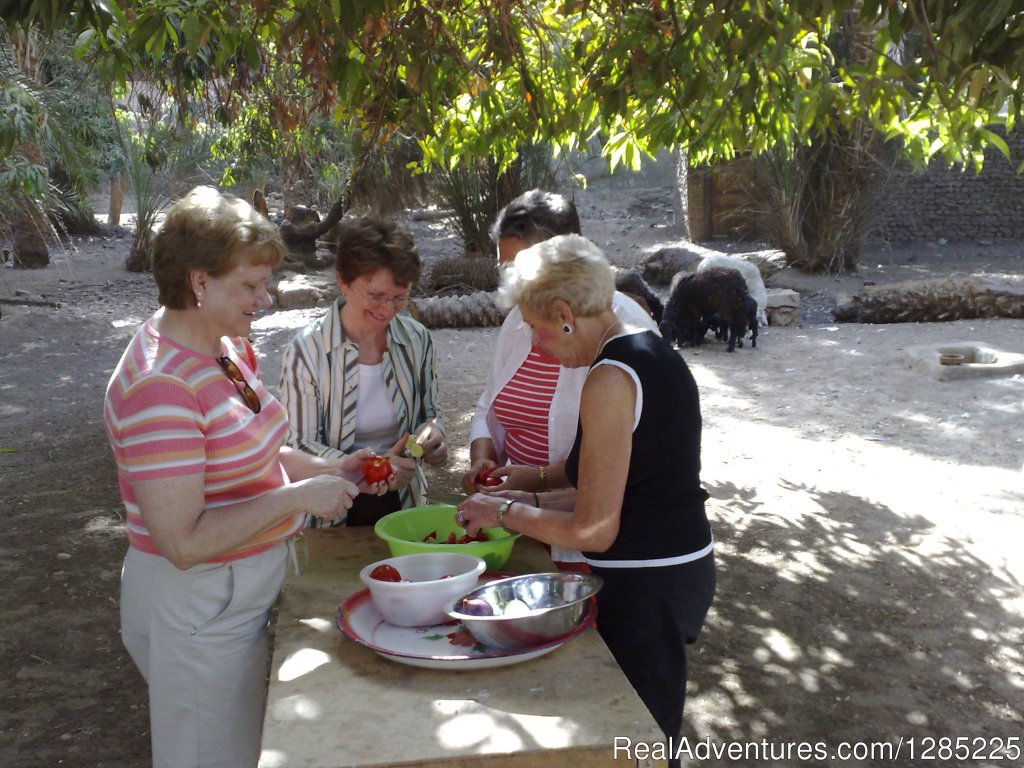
199	638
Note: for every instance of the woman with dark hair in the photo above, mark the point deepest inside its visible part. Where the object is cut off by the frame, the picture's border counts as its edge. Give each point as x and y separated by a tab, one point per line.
530	218
212	494
637	509
363	375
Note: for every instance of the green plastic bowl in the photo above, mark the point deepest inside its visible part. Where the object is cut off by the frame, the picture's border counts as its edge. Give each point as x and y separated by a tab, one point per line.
405	530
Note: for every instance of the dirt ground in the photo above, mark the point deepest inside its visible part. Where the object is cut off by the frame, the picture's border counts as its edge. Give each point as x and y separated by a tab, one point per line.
867	516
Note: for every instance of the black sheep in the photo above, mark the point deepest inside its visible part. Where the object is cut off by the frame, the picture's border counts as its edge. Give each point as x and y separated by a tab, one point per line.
751	321
713	322
701	294
630	282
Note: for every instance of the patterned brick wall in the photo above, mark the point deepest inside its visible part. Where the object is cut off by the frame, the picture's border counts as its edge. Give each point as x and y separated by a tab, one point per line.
943	202
937	202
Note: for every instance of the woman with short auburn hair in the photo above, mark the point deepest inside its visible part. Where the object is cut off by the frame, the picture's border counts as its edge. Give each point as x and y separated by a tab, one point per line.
209	230
213	495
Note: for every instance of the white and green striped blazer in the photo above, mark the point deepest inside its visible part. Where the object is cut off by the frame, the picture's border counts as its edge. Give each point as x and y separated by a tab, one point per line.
320	375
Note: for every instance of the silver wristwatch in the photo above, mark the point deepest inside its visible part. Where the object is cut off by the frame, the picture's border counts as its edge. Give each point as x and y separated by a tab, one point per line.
505	507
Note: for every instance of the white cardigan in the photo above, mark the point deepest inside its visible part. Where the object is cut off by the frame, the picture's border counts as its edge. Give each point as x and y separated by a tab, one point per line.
511	349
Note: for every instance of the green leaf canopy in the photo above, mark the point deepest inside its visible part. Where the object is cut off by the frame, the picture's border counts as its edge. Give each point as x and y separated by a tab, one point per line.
483	77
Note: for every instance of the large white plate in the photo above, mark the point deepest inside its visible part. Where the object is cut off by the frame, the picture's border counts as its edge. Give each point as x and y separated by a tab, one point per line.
444	646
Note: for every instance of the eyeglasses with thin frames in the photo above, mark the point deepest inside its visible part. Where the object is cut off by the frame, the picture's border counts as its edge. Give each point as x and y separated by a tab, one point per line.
398	302
248	393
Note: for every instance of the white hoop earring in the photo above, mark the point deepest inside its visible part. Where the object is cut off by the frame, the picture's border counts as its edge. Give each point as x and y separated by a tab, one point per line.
567	328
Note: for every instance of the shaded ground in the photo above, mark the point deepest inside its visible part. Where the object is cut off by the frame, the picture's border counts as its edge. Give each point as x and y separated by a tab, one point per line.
867	517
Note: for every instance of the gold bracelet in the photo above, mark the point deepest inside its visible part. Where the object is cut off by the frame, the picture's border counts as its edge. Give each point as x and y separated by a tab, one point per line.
543	470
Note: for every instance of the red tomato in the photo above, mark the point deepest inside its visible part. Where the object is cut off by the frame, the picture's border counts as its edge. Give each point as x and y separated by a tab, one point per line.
376	469
484	478
385	573
466	538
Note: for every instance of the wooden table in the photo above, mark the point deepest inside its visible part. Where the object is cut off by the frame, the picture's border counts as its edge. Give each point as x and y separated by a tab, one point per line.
333	702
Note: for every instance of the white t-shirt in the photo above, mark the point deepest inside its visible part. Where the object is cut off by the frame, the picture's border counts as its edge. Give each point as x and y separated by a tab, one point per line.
376	422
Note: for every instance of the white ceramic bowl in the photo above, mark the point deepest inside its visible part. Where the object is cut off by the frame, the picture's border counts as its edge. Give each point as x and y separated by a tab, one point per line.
430	581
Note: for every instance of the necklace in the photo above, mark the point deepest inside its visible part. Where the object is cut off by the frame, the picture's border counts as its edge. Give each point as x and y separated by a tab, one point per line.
605	338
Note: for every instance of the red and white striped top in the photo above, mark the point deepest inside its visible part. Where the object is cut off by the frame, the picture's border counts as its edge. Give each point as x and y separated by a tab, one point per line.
522	407
170	412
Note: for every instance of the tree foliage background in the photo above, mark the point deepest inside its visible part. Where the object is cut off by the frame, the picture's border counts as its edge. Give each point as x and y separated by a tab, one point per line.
473	79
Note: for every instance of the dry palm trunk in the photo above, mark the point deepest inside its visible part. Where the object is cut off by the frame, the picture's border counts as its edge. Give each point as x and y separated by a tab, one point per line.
29	225
473	311
30	249
943	299
29	221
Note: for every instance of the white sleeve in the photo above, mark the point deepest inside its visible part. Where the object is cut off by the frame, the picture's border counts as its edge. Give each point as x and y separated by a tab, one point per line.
631	313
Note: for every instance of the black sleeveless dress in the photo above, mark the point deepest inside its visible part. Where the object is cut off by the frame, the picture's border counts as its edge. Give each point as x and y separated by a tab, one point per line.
659	573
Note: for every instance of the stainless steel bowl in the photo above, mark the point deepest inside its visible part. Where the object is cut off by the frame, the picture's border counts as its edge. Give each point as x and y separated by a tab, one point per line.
525	611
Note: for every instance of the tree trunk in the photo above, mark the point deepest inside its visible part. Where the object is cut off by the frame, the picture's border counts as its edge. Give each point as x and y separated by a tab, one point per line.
680	195
842	186
118	184
30	250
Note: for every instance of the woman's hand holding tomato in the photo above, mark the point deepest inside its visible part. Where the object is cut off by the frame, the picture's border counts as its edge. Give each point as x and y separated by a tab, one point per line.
488	479
376	469
485	476
469	480
351	467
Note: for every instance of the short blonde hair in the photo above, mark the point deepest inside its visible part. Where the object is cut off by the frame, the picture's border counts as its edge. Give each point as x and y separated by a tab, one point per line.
208	230
567	267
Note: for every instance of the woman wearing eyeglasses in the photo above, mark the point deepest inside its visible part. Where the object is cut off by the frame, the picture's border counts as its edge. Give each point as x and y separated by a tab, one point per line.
213	495
363	375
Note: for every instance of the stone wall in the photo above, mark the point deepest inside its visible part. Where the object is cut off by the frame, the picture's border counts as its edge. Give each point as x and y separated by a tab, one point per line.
950	203
939	202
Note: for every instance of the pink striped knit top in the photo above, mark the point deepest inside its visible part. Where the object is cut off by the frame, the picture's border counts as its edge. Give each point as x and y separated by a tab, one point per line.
170	411
522	408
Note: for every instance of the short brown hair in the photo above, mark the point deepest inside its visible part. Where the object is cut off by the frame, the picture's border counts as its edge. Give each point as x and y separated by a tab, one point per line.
368	244
209	230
